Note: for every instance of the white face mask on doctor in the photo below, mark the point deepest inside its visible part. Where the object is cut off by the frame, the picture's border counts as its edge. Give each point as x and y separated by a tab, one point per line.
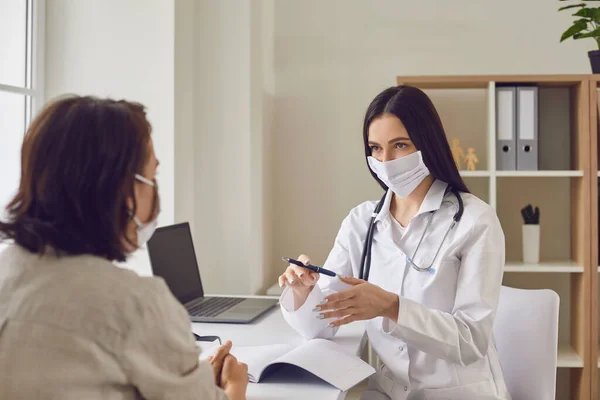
145	231
401	175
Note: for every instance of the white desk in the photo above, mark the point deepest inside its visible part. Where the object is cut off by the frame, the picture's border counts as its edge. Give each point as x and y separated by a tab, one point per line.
286	383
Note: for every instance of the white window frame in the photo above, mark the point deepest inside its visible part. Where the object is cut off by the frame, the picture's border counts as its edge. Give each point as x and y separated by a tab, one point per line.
34	79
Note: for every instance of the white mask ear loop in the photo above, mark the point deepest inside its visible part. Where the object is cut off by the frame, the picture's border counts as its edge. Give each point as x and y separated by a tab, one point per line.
147	182
136	220
144	180
144	231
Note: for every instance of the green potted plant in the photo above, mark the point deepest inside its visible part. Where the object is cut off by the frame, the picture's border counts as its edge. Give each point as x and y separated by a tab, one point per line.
587	25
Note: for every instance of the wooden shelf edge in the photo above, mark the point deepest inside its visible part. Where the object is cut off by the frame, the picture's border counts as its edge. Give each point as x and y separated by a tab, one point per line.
568	358
548	267
482	81
467	174
524	174
541	174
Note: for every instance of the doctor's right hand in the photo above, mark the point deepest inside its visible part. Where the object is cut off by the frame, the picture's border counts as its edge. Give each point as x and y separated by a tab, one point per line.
300	280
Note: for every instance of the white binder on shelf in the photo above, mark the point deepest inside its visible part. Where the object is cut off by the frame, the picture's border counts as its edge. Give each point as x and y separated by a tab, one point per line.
506	128
527	128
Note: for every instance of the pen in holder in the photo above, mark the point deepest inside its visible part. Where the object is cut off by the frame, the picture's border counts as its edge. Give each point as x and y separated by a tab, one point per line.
531	234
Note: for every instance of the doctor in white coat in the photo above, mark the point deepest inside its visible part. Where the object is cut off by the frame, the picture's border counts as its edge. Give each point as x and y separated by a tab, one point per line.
430	292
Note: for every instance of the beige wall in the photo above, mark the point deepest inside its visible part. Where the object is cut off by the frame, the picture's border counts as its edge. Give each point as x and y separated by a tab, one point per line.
185	180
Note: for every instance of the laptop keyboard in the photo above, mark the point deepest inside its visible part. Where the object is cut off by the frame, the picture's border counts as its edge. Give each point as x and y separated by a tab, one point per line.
213	306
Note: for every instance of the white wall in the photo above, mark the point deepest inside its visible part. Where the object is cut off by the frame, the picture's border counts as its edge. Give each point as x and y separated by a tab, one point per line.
121	49
219	98
332	57
13	50
198	66
224	87
13	39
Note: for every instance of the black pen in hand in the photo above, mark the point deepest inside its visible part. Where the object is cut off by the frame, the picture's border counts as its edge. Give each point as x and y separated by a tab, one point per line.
310	267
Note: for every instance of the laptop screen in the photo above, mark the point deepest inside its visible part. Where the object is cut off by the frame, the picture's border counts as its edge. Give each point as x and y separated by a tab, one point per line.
173	258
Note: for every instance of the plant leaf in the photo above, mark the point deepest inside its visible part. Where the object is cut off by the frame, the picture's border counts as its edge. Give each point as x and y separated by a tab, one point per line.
572	6
596	13
591	13
594	33
585	12
576	28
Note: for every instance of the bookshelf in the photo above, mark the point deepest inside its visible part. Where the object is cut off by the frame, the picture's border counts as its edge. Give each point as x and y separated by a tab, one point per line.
564	192
594	181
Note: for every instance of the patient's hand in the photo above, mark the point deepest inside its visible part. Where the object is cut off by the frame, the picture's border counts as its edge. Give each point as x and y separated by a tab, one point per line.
218	360
234	378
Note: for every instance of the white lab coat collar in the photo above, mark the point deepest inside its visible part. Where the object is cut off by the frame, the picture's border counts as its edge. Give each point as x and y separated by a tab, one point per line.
432	201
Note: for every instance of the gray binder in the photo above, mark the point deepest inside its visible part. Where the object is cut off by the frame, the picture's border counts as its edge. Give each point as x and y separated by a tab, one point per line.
527	128
506	128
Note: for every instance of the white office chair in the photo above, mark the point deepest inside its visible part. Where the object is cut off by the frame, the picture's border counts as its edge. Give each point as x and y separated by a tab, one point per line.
526	332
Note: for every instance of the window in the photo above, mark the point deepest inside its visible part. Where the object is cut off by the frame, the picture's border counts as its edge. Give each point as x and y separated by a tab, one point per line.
20	84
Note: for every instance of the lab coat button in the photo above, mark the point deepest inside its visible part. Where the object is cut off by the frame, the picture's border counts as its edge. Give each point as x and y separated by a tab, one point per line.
401	348
405	388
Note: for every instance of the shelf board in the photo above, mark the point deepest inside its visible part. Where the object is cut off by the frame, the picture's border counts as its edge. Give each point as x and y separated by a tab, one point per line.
540	174
599	357
568	358
524	174
482	81
551	266
467	174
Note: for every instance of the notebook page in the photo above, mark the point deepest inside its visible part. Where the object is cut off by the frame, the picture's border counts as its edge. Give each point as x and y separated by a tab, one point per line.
330	362
256	357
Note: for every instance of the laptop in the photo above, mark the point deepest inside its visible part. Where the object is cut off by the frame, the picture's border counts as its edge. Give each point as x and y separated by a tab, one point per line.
173	258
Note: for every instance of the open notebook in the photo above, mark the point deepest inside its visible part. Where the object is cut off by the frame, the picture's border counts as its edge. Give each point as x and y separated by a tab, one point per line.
323	358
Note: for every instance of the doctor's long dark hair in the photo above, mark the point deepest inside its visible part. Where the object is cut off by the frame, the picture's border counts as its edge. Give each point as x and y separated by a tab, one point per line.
420	118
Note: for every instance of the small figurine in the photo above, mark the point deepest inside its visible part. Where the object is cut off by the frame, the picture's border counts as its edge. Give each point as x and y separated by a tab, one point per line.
471	159
457	152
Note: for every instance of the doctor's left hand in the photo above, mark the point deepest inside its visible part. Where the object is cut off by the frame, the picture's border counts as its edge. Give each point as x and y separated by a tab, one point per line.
361	302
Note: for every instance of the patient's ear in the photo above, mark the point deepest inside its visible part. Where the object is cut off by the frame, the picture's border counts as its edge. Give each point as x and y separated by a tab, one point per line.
129	203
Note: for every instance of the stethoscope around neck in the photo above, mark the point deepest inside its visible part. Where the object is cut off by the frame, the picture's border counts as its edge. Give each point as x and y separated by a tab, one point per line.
365	259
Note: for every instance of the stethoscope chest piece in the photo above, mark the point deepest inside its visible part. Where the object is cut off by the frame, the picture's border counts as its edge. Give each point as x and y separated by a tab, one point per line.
414	263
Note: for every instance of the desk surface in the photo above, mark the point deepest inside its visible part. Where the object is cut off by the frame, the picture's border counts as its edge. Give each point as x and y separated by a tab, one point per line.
287	383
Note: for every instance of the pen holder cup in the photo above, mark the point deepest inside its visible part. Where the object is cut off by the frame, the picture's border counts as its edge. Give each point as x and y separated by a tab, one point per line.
531	244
